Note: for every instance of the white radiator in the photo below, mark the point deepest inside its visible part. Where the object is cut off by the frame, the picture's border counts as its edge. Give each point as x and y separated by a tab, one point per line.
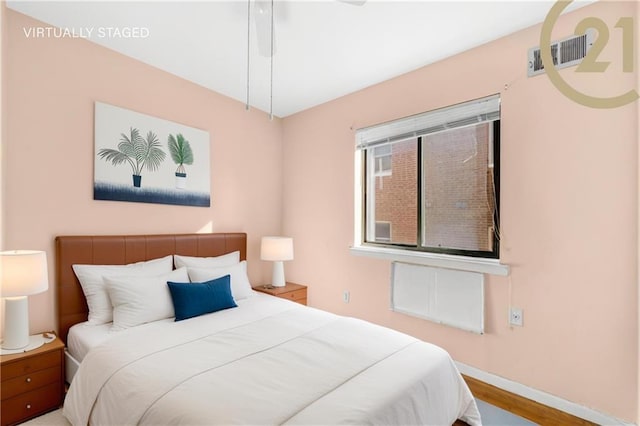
445	296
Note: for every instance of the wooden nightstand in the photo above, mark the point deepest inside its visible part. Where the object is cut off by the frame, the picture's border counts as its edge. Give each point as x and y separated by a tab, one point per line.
291	291
32	382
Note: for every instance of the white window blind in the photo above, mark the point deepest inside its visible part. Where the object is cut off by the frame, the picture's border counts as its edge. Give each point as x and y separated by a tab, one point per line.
464	114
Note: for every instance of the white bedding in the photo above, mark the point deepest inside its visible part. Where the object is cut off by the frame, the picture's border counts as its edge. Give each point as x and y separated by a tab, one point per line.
85	336
269	361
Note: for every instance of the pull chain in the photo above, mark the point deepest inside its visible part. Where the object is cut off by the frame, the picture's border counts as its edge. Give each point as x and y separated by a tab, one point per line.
271	70
246	106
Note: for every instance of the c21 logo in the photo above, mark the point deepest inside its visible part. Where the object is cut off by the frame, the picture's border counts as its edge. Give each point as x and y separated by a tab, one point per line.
590	62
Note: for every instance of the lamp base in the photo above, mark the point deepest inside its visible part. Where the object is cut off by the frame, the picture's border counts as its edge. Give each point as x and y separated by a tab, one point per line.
35	342
277	276
16	320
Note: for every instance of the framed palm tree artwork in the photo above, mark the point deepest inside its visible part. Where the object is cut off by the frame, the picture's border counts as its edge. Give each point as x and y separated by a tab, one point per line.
145	159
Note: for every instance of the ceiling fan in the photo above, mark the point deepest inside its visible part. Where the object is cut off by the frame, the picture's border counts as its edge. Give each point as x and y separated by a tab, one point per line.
265	34
264	23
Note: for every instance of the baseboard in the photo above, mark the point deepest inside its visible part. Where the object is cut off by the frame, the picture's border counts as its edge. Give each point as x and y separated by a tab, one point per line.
540	397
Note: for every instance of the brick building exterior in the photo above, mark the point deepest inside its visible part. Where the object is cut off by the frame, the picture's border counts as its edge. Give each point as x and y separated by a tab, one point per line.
457	185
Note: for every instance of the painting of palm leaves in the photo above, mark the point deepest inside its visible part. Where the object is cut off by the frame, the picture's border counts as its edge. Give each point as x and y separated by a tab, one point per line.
139	152
181	153
145	155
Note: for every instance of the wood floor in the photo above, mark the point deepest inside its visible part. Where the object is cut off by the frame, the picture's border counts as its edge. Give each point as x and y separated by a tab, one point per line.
520	406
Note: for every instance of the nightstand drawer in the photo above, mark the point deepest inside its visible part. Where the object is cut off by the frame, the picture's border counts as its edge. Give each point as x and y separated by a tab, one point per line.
296	295
30	364
30	404
29	382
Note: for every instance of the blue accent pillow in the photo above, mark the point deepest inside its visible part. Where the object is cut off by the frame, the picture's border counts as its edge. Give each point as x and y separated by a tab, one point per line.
194	299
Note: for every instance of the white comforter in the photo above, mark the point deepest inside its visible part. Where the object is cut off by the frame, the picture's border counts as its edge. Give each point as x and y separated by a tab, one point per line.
269	361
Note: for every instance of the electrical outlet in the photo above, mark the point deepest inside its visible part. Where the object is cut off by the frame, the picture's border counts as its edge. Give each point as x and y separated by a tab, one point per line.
515	316
346	296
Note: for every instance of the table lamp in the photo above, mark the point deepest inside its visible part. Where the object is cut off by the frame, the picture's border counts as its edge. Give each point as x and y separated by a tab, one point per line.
22	273
277	249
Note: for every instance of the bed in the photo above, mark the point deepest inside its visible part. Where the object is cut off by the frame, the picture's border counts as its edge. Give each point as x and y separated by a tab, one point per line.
263	361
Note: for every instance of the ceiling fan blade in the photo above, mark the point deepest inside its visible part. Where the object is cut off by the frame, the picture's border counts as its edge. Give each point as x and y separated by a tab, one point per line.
353	2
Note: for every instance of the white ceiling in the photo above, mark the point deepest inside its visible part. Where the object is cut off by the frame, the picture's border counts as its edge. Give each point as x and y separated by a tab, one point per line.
324	49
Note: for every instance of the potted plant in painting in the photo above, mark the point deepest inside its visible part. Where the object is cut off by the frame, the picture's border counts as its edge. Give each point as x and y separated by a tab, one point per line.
139	152
181	152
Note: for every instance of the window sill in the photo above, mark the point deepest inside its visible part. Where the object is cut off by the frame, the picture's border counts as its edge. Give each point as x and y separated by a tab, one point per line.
461	263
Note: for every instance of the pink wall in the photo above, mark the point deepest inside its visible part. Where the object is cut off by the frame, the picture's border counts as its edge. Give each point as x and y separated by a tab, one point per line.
569	194
569	217
49	152
3	103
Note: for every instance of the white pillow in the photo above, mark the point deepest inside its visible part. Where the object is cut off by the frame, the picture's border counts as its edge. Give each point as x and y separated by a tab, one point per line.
95	290
207	262
240	285
137	300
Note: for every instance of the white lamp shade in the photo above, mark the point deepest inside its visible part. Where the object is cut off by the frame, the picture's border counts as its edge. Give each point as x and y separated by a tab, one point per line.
276	248
23	272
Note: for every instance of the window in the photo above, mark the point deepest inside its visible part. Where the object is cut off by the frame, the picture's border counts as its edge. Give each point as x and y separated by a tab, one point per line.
382	160
442	196
383	231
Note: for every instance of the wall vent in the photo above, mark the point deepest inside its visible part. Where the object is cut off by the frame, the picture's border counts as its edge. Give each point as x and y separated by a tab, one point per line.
565	53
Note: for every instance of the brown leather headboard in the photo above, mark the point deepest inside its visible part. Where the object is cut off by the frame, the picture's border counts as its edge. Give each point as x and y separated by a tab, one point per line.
120	250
